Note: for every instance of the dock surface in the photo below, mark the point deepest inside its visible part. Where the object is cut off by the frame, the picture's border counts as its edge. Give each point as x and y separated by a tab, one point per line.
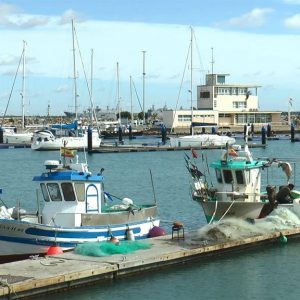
42	275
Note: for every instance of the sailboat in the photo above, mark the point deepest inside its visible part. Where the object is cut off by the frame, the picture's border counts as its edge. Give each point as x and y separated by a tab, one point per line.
76	136
10	134
199	140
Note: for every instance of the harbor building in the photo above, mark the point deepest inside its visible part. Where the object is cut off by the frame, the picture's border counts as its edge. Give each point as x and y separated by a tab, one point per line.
226	105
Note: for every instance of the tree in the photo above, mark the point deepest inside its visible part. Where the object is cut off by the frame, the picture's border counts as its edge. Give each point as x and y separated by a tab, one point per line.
125	115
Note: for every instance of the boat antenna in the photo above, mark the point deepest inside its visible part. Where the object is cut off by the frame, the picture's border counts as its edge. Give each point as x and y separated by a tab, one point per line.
153	190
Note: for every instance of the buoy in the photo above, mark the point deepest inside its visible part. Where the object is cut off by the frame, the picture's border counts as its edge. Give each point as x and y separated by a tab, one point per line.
114	240
53	250
129	235
156	231
282	239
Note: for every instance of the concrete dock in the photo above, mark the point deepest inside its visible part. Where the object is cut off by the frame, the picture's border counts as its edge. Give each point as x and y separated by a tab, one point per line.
37	276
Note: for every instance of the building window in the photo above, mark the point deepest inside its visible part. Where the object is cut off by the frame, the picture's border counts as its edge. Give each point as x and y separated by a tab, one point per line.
204	94
184	118
215	103
253	118
239	104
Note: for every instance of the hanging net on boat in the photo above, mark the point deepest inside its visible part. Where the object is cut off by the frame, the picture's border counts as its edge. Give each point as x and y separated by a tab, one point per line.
108	248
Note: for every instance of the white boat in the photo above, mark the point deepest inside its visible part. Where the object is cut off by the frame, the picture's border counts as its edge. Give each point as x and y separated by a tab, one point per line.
237	189
76	210
201	140
12	137
46	140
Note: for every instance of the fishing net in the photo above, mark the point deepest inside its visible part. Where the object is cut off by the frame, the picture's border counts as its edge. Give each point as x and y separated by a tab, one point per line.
108	248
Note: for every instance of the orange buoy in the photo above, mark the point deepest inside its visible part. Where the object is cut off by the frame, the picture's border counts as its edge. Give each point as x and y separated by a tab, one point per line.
53	250
114	240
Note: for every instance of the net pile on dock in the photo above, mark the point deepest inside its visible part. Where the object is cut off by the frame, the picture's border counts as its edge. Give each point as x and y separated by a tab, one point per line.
107	248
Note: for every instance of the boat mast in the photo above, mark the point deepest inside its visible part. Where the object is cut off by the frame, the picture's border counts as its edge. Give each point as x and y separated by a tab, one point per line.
212	74
131	100
118	93
191	87
92	106
74	70
144	74
23	87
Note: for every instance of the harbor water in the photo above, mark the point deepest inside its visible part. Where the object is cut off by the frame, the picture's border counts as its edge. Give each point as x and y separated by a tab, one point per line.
269	272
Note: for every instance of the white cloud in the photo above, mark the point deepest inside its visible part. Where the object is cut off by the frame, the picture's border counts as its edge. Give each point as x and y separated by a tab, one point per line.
255	18
62	89
293	22
7	60
70	15
12	17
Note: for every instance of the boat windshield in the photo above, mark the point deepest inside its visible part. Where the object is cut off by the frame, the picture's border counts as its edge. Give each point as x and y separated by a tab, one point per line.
68	191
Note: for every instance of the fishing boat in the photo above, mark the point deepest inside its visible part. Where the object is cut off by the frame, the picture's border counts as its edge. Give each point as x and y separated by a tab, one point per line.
237	189
76	209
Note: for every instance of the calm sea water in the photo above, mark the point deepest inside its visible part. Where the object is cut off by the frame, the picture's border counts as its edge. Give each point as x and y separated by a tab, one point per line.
267	273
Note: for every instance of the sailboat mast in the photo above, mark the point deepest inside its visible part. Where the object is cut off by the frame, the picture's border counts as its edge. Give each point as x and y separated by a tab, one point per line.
92	106
118	93
23	87
144	74
191	87
212	73
131	109
74	70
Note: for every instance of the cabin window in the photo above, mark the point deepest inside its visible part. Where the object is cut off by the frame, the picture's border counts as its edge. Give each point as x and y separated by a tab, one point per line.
79	188
239	177
54	191
68	191
219	176
44	192
228	176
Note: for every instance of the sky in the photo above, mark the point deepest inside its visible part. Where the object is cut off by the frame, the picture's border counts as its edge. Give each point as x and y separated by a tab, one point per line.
256	42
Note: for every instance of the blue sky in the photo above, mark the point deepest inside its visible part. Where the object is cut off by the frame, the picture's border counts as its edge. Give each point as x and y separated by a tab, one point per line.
257	42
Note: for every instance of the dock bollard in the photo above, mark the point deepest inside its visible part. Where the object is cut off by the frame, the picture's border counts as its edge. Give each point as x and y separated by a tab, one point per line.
120	134
263	135
1	135
90	139
292	133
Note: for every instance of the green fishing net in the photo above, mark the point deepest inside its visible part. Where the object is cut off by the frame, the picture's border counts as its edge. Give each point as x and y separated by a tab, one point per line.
108	248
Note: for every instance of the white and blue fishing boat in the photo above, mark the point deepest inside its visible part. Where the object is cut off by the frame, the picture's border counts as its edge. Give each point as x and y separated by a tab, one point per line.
76	210
236	189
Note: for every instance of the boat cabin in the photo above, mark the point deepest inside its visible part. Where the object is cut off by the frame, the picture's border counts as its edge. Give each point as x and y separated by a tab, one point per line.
235	174
69	192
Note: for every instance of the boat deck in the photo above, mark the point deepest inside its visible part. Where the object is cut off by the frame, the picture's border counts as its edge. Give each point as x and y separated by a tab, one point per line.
38	276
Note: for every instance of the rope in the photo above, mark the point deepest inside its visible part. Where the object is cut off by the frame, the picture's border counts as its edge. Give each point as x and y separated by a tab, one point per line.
12	88
183	75
226	211
213	216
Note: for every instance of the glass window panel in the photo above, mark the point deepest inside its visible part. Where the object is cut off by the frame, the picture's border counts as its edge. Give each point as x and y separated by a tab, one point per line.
68	191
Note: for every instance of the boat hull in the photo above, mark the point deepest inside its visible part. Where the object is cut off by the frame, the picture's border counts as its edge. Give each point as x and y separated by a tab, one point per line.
71	142
23	239
216	210
204	140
